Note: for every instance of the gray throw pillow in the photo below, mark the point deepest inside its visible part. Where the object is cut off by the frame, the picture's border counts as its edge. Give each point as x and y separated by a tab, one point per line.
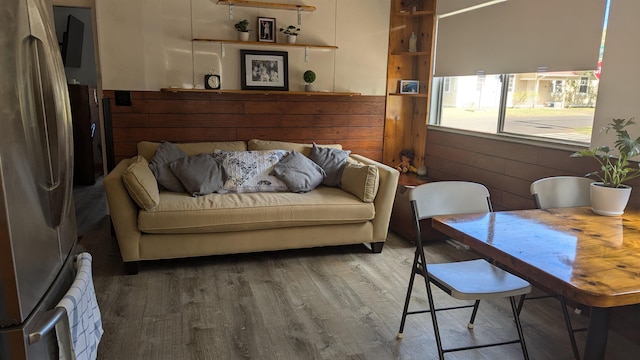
199	174
298	172
331	161
165	154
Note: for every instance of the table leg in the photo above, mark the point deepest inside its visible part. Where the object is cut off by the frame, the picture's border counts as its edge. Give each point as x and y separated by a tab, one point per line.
597	333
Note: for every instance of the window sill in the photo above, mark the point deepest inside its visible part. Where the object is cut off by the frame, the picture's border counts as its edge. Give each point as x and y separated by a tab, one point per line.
515	138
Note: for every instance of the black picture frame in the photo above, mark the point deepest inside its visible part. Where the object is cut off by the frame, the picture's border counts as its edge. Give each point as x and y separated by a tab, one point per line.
266	29
264	70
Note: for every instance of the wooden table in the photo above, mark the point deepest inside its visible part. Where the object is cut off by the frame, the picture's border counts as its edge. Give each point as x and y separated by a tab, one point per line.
591	259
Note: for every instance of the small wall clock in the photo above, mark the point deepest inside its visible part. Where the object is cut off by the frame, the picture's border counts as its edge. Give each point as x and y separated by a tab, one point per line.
212	81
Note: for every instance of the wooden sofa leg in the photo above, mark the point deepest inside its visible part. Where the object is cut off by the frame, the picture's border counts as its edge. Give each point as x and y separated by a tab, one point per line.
376	247
131	267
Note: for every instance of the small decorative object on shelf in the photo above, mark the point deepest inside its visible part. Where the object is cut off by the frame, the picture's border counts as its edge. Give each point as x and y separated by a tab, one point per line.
243	30
309	77
211	81
409	86
413	39
266	29
406	162
292	33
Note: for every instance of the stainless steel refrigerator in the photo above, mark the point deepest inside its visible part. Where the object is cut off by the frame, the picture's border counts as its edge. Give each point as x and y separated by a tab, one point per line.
37	216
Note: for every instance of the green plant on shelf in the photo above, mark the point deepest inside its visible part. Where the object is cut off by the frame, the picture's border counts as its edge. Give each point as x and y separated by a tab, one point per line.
242	26
290	30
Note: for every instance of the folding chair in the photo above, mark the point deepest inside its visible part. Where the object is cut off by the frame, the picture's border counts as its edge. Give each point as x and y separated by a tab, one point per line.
558	192
465	280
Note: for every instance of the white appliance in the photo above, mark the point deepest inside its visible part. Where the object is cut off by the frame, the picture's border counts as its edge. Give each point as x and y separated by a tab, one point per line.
37	217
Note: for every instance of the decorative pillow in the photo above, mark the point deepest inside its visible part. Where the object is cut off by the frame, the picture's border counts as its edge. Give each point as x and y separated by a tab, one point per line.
166	153
331	161
360	180
249	171
199	174
141	184
305	149
298	172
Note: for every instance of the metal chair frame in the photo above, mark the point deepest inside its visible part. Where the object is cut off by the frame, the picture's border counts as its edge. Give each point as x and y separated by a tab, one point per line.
420	267
575	193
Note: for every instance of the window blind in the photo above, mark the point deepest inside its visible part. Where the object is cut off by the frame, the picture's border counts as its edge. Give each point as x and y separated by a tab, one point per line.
517	36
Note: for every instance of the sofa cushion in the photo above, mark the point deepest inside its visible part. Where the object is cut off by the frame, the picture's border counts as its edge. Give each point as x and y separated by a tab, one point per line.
165	154
360	180
331	160
179	213
199	174
250	171
146	149
298	172
141	184
305	149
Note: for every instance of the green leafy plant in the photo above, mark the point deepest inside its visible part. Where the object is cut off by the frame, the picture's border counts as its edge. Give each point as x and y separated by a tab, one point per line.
309	76
290	30
242	26
615	170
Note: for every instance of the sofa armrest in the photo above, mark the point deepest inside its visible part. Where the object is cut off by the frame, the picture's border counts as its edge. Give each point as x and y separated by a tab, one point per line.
124	213
385	197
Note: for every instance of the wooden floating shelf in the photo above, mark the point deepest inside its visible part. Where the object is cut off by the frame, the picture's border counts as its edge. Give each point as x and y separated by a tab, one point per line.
331	47
415	13
262	4
261	92
414	53
409	95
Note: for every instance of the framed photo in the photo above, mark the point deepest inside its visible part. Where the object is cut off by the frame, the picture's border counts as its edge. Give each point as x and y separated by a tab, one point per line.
264	70
409	86
266	29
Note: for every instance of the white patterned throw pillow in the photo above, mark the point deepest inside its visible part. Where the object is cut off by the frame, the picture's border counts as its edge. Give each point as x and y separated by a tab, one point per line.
248	171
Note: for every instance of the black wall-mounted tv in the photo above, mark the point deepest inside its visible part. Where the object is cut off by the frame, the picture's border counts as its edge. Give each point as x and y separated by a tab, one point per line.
72	42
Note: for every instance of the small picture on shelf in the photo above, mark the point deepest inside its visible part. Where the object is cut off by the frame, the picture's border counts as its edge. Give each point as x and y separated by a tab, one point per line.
266	27
409	86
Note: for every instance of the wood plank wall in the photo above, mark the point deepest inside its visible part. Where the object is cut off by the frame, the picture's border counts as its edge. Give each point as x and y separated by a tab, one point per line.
356	122
506	168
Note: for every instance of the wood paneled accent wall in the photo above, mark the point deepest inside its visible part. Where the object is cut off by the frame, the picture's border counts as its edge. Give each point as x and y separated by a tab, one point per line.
506	168
356	122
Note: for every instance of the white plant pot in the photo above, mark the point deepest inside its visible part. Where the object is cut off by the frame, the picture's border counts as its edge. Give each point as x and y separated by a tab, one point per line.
243	35
609	201
309	87
291	39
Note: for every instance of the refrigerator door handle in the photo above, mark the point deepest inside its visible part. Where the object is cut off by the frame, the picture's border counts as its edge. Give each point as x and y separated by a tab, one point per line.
51	143
48	323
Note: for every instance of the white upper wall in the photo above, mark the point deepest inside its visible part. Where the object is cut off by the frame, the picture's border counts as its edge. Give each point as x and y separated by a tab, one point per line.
146	44
618	95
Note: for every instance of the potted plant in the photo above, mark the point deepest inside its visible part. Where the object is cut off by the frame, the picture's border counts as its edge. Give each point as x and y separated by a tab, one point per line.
613	170
291	32
243	30
309	77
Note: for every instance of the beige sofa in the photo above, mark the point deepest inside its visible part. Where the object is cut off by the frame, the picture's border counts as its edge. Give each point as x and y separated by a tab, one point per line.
184	226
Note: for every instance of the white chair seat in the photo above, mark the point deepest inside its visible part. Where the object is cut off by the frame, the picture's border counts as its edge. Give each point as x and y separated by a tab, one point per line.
476	280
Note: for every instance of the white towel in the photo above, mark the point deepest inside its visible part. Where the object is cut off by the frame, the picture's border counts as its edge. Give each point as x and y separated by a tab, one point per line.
85	324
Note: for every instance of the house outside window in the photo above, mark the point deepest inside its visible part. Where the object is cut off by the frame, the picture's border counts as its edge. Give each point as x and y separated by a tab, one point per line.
545	105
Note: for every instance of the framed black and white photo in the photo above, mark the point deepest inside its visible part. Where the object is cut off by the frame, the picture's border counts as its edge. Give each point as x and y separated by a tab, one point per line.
264	70
409	86
266	29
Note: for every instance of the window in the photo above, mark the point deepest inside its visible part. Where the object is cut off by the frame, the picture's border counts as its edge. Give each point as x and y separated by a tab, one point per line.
446	85
584	85
552	105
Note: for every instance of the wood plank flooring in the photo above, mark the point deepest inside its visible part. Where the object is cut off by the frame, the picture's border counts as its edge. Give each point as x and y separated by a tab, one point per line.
327	303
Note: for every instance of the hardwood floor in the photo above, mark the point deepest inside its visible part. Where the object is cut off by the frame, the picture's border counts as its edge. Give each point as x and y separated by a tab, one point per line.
327	303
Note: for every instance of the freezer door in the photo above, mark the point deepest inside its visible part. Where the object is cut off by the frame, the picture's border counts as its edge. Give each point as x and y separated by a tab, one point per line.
31	340
37	222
